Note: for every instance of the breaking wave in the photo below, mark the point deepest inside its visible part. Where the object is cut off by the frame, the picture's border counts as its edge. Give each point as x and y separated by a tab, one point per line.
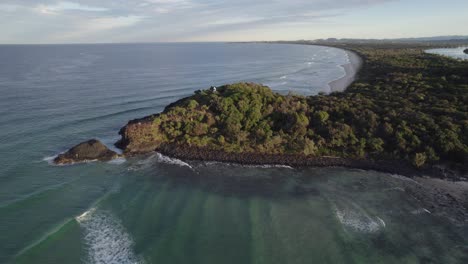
158	157
356	219
106	240
50	159
165	159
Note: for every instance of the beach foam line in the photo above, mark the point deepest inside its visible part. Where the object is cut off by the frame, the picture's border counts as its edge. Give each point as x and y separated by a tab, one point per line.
117	161
266	166
106	240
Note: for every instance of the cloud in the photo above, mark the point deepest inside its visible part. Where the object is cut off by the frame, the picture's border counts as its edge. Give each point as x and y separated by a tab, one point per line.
53	9
96	26
169	20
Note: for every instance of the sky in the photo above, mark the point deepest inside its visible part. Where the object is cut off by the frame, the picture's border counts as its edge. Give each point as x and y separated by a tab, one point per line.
116	21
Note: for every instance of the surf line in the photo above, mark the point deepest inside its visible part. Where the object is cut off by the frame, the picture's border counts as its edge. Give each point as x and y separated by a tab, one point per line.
106	239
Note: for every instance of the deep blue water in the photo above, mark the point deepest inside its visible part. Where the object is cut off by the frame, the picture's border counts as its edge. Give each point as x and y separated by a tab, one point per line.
154	209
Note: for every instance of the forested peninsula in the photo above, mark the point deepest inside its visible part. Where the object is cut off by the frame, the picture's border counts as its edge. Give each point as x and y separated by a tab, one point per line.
407	112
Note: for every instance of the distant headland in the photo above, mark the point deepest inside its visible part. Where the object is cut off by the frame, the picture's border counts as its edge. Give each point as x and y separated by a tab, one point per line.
404	114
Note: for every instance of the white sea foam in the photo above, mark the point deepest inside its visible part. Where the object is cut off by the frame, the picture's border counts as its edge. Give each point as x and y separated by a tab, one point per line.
270	166
165	159
117	161
50	159
283	77
106	240
266	166
420	211
355	218
403	178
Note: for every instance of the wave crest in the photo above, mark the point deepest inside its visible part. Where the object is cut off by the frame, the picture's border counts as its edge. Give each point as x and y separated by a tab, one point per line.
106	240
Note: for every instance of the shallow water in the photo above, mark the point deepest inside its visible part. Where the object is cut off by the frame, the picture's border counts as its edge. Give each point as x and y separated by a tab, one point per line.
154	209
456	53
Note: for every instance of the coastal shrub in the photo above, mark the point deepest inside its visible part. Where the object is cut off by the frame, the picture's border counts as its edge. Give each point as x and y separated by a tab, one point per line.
419	160
407	105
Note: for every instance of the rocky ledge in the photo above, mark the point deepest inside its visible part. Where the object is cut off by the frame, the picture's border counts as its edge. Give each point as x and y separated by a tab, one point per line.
90	150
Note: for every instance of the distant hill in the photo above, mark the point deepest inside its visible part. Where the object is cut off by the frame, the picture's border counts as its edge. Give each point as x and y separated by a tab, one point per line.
437	38
410	40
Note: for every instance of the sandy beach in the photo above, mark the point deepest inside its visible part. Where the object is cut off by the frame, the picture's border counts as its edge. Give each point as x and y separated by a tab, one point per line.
351	70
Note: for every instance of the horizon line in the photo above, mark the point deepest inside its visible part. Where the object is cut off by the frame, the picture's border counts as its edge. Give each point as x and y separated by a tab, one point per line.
226	41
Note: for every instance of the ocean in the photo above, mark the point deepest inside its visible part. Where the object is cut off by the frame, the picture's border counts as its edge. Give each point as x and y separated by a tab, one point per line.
155	209
456	53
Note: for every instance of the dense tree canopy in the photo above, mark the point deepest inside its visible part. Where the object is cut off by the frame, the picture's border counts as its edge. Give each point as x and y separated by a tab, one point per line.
406	105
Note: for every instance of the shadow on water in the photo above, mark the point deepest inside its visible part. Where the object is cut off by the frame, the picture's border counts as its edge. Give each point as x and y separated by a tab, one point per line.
200	212
164	210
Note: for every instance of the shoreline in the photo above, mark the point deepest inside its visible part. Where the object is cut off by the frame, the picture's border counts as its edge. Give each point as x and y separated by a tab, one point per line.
441	194
351	73
297	160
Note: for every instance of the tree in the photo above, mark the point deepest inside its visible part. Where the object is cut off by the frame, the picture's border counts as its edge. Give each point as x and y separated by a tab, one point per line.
419	160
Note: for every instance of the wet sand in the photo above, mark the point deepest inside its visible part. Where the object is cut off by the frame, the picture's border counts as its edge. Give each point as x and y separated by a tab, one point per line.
351	70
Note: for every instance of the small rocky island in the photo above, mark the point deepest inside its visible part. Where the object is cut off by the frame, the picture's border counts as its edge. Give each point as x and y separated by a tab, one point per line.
90	150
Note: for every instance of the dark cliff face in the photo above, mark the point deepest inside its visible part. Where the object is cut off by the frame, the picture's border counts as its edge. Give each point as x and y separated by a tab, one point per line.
138	136
86	151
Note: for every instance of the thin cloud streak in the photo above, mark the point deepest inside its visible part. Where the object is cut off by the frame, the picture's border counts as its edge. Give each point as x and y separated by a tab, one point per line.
77	21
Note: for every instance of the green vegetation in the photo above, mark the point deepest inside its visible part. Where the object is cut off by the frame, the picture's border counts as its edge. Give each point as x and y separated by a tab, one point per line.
406	105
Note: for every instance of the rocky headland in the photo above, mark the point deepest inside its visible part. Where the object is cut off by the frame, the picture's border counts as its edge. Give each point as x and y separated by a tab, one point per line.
392	119
405	114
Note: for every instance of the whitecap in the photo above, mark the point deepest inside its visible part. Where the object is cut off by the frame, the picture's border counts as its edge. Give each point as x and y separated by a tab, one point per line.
283	77
106	240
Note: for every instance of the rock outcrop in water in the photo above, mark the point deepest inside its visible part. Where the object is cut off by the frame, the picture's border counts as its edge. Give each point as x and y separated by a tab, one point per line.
86	151
466	51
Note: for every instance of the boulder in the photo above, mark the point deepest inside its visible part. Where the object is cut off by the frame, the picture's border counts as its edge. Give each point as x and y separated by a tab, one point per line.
466	51
90	150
